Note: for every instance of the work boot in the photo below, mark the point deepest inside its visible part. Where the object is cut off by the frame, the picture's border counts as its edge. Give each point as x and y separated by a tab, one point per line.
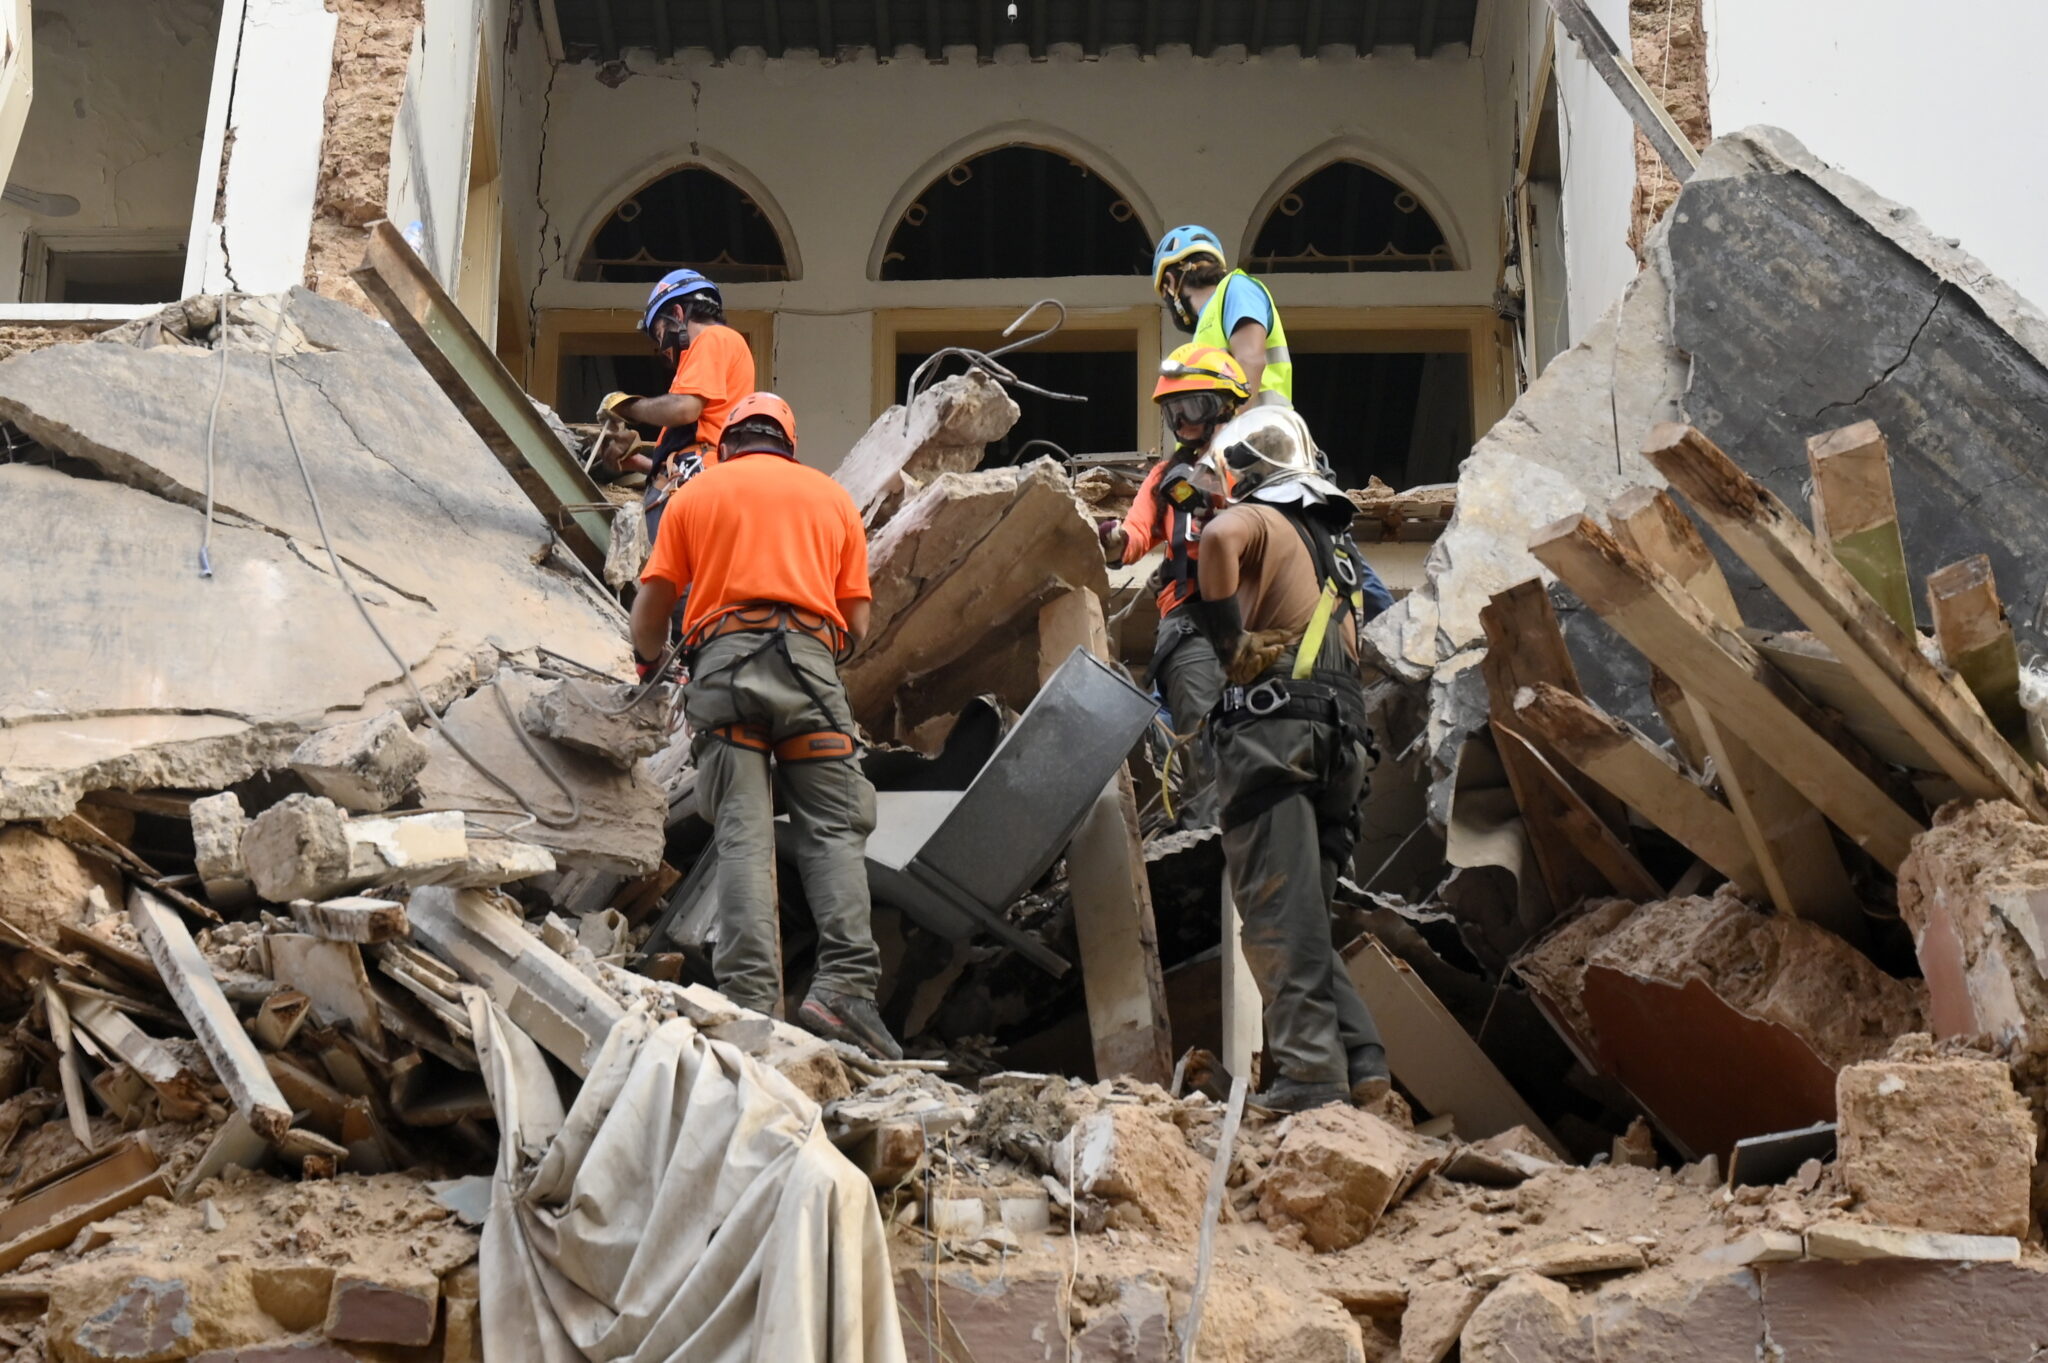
842	1017
1293	1095
1370	1081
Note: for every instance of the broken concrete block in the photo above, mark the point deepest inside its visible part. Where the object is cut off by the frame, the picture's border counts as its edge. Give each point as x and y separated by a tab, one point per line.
1943	1144
1435	1317
599	721
1854	1240
396	465
1758	1247
491	861
1903	1311
1635	1147
1683	1317
398	1306
1974	892
1527	1317
121	1312
1723	1022
944	430
1135	1328
293	1295
304	847
1569	1259
45	882
1138	1160
1336	1171
618	821
218	824
365	765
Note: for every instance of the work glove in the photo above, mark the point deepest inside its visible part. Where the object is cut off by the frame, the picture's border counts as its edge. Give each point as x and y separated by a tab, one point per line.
644	667
1111	533
611	404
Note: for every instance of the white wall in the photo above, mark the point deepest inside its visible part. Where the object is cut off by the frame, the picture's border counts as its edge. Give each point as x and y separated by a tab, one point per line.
1598	144
841	148
1935	106
117	119
430	145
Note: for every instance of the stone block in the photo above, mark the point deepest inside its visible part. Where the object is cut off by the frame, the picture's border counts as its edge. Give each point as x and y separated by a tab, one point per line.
1134	1329
1682	1317
1758	1247
305	847
462	1334
1018	1318
289	1351
148	1320
1568	1259
1336	1171
1435	1317
398	1306
1974	892
365	765
293	1295
1854	1240
1140	1162
1942	1144
1905	1312
1525	1319
218	824
598	720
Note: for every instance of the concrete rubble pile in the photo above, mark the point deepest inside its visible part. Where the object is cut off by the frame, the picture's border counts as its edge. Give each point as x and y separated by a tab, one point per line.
1699	896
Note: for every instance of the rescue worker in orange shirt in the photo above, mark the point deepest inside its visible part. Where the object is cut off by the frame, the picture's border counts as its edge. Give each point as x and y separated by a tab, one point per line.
714	369
774	558
1200	387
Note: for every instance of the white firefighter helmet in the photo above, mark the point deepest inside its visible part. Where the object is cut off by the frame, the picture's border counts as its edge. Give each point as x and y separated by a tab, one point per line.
1267	454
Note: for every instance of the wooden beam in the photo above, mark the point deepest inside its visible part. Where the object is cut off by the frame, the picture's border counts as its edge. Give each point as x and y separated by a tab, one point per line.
331	974
353	918
1621	76
1856	516
1681	719
69	1075
1794	852
1565	814
1937	712
181	1098
1976	641
236	1062
1718	667
1113	923
1644	776
1525	647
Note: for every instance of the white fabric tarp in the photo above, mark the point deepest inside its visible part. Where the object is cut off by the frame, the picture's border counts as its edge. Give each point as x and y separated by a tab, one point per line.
687	1207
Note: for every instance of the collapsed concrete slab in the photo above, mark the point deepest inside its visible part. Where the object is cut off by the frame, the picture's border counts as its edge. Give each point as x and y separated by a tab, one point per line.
1974	892
1942	1143
611	722
365	765
1721	1022
946	429
962	570
1781	299
222	676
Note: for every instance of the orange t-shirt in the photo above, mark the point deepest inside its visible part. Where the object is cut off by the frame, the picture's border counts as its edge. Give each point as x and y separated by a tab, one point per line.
1146	526
761	528
719	368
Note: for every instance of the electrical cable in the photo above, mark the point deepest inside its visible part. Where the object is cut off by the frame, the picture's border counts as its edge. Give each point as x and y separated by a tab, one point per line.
405	669
220	386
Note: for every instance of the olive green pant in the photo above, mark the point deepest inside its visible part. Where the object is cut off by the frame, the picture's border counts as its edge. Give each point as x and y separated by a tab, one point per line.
748	678
1188	674
1284	858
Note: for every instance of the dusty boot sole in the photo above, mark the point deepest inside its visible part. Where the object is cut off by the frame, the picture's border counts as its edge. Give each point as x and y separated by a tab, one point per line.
1305	1099
1366	1092
820	1020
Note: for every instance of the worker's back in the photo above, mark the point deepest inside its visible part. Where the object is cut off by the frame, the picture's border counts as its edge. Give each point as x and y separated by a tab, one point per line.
761	527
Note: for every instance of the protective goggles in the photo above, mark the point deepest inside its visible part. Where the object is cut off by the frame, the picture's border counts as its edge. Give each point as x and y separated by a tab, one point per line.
1191	409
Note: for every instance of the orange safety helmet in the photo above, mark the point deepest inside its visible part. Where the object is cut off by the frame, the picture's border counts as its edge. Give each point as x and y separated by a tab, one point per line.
755	407
1196	368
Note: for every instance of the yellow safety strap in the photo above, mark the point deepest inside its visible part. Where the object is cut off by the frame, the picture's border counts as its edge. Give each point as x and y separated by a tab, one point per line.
1318	625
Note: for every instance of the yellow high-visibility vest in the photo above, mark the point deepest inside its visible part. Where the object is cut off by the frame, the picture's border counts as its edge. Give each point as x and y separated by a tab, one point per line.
1276	384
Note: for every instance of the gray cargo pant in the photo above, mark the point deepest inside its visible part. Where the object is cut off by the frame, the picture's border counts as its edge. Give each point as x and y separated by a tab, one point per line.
1290	789
1189	675
746	678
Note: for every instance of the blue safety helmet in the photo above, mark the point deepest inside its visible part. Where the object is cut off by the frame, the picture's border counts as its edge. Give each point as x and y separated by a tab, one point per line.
675	284
1181	244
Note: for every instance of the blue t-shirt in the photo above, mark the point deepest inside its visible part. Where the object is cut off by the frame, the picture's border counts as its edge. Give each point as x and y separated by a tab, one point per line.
1245	300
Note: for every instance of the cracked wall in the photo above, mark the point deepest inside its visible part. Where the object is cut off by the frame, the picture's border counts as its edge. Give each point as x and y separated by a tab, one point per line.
116	122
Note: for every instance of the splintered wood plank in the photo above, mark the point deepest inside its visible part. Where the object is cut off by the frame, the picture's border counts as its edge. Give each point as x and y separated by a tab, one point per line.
1856	516
236	1062
1788	839
331	974
1941	716
1976	640
1745	694
1643	776
179	1093
1526	647
1121	978
1681	717
1569	817
69	1075
353	918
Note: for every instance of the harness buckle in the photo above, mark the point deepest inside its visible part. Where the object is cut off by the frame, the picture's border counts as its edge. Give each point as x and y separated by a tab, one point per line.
1265	698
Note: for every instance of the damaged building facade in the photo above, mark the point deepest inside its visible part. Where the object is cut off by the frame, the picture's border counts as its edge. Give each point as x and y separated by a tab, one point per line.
356	913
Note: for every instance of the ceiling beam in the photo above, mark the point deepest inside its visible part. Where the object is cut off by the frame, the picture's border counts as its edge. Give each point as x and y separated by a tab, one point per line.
664	42
1425	30
827	48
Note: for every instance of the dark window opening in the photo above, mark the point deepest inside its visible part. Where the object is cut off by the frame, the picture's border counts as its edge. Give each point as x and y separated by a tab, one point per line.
90	276
1404	418
1017	213
1349	218
583	380
688	219
1101	425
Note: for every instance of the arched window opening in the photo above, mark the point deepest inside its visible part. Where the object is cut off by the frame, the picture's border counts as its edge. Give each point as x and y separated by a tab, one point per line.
1348	218
1017	213
694	218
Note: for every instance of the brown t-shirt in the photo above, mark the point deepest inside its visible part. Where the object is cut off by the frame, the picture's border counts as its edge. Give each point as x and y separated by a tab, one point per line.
1255	553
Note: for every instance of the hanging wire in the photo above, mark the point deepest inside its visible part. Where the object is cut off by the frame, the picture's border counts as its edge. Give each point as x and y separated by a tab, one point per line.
220	386
985	360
